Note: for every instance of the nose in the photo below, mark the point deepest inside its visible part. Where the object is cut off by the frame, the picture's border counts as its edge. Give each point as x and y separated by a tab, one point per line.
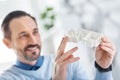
32	39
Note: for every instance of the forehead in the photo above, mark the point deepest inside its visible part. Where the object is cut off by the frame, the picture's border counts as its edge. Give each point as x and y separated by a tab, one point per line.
24	23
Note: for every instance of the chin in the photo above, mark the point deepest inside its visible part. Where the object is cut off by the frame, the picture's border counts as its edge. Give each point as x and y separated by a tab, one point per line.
33	56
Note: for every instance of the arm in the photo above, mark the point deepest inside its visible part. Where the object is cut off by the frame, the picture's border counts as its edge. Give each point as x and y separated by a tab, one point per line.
103	75
62	60
7	76
104	56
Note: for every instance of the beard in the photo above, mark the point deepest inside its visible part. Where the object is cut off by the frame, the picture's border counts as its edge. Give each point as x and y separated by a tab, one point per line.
31	52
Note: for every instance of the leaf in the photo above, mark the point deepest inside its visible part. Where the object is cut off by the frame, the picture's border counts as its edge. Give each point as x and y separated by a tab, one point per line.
48	26
43	15
49	9
52	17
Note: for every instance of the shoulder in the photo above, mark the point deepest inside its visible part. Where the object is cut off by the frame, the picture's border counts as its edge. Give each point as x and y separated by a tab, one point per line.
77	68
78	71
48	60
10	74
75	65
50	56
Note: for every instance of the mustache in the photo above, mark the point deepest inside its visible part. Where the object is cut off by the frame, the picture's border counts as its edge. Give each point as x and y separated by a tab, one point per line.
29	46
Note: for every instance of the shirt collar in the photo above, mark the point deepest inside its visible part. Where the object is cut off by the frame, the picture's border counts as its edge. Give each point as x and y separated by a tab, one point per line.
30	67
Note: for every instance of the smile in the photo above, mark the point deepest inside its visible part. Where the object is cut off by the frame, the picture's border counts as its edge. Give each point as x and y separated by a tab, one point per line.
32	48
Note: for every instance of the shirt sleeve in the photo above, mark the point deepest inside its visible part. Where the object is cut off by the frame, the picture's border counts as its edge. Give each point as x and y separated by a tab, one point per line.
103	75
80	73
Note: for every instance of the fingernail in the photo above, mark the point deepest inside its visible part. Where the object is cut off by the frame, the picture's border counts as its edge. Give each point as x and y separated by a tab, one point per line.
76	48
102	44
67	38
77	58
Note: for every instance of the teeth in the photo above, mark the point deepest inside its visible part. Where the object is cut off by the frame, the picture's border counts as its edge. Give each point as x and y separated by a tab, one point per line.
32	48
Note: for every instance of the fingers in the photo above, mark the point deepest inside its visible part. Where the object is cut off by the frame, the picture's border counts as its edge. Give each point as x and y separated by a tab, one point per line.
63	44
64	64
107	45
67	54
71	60
65	58
105	39
104	42
61	48
67	61
98	48
107	49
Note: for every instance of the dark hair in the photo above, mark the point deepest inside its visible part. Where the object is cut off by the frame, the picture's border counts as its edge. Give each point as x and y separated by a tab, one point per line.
12	15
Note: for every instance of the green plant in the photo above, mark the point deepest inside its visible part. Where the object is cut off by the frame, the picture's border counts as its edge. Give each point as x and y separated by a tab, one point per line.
48	18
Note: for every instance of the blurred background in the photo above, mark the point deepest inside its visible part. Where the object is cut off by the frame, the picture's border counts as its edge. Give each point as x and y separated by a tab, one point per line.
55	17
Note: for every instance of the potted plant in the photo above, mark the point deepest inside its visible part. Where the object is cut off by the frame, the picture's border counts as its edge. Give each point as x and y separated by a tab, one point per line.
48	18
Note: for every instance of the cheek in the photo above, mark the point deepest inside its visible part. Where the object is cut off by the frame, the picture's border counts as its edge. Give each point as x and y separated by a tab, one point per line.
38	40
19	45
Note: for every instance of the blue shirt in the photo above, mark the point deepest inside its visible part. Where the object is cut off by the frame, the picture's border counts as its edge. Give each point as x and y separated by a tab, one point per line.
30	67
75	71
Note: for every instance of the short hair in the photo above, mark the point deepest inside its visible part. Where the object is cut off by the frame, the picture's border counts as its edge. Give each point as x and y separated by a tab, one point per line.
12	15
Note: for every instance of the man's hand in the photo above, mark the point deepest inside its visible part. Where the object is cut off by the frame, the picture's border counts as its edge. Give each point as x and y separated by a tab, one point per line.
105	53
62	60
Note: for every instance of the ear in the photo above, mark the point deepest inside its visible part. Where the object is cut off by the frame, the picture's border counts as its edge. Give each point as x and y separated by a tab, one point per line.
7	42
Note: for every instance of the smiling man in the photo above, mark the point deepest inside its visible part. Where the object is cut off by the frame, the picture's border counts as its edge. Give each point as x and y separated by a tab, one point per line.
21	34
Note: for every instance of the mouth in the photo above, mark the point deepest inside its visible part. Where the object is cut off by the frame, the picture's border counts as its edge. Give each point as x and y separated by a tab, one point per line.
32	52
32	49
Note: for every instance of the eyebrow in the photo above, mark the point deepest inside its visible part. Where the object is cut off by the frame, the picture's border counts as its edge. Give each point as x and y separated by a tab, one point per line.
25	32
22	33
35	29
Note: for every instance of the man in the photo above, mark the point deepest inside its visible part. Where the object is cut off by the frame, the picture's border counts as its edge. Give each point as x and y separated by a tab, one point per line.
21	34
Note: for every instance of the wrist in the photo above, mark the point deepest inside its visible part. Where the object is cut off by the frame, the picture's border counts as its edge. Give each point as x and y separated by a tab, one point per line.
103	69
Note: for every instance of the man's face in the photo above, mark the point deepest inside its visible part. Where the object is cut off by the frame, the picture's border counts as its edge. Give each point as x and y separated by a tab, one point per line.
25	38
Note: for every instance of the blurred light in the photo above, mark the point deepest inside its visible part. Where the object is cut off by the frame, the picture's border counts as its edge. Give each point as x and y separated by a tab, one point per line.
2	0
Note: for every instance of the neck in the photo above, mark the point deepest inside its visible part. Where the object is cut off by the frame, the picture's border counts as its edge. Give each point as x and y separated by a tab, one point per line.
28	62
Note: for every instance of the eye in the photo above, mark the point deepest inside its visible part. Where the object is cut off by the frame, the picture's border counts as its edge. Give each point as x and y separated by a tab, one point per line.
35	32
23	36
